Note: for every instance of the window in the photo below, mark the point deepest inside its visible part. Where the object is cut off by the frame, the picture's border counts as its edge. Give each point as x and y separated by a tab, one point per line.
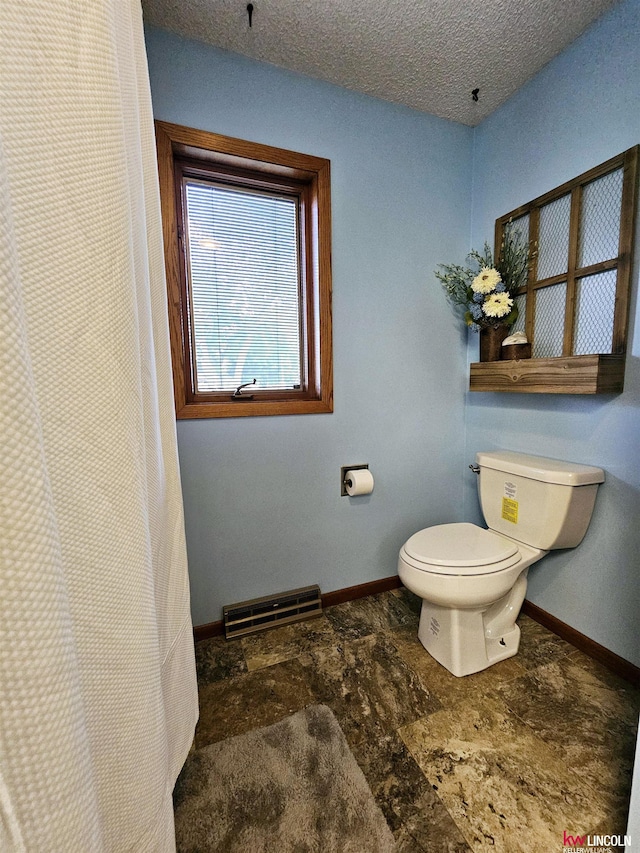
247	231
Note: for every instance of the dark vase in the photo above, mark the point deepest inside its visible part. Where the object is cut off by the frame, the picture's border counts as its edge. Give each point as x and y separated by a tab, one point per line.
491	338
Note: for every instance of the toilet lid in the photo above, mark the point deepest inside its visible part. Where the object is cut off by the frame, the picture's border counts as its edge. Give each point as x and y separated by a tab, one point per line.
461	549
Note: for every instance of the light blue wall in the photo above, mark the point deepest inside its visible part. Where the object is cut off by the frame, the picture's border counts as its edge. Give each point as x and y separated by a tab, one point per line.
262	495
583	108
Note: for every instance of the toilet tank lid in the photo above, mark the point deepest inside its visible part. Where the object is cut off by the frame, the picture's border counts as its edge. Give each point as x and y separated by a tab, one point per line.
541	468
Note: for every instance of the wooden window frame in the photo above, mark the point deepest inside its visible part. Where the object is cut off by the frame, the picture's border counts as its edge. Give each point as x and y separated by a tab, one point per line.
628	162
187	152
599	373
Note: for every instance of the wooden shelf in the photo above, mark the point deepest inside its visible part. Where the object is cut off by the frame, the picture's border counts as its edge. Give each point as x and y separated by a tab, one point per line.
576	374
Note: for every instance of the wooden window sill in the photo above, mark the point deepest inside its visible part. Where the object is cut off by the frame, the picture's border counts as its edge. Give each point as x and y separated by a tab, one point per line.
576	374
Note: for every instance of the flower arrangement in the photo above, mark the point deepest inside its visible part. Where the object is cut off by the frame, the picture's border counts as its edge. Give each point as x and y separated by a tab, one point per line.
486	290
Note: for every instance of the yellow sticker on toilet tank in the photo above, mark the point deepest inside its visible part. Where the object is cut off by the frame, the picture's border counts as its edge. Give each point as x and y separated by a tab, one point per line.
510	510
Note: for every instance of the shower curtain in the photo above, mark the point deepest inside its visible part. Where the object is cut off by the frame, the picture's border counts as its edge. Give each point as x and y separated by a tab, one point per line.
98	697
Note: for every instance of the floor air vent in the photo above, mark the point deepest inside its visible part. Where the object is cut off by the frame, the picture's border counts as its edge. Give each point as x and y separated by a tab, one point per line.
247	617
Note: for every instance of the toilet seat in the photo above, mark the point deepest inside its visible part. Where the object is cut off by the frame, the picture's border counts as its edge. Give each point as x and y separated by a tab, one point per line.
460	549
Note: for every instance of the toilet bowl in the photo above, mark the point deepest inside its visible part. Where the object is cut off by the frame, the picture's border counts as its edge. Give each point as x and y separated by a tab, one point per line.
473	580
472	583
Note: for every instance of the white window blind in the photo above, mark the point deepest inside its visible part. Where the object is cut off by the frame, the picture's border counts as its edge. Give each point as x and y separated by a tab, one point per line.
245	291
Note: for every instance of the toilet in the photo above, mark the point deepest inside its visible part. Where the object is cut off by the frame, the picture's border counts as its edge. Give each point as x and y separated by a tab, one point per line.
472	580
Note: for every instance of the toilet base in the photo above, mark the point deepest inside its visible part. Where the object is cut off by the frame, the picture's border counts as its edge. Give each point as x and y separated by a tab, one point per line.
461	639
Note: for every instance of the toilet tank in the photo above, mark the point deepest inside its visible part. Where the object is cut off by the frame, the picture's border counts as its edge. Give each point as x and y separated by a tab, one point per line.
542	502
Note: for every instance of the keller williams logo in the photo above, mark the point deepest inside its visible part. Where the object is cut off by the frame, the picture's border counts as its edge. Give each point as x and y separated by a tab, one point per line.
584	842
573	840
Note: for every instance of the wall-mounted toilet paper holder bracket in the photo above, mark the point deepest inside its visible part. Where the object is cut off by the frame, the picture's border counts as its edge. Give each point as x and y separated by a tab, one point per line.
343	476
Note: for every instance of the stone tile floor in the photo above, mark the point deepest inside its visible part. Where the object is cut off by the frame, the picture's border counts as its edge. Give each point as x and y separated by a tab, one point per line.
505	760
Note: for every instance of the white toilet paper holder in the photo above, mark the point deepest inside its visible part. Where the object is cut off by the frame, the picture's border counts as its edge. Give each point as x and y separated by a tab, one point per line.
344	480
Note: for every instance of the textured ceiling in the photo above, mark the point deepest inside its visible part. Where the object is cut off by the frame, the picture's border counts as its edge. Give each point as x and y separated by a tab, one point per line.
426	54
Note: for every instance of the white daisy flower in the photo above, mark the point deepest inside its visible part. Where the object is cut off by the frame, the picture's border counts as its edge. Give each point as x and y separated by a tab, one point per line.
486	280
497	305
